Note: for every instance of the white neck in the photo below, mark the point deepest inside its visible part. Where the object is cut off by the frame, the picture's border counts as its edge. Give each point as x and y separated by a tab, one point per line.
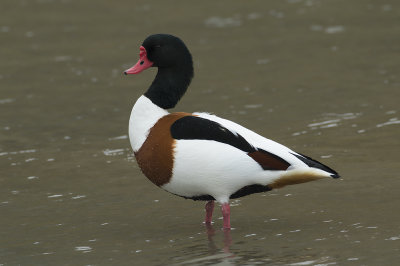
143	117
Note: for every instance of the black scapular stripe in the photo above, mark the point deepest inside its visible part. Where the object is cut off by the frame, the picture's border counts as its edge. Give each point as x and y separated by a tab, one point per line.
193	127
315	164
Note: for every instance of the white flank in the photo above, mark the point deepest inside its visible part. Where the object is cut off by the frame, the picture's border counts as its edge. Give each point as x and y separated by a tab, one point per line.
203	167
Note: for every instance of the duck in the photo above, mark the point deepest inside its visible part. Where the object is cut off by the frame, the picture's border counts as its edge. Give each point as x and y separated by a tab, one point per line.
198	155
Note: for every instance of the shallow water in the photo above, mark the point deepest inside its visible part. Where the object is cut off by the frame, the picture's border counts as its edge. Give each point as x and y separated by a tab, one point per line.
318	76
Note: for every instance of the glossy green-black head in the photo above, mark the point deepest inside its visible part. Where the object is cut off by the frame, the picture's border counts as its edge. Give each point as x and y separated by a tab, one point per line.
175	68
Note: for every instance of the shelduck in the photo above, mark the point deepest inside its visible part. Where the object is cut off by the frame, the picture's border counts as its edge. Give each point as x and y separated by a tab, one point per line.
201	156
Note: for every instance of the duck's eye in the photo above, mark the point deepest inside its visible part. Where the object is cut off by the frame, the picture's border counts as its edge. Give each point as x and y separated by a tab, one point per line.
141	62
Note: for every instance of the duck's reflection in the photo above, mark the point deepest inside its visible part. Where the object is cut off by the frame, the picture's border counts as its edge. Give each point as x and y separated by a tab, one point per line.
226	234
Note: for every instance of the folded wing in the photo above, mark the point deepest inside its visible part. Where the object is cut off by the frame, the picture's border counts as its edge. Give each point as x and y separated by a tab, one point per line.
198	128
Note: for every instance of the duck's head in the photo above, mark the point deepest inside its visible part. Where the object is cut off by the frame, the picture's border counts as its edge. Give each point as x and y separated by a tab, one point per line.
162	51
175	68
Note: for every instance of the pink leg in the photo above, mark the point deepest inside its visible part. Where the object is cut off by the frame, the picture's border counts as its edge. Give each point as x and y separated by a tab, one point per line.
226	214
209	211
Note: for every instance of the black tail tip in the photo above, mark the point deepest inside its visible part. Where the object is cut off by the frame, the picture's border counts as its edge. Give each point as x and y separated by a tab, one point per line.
336	175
